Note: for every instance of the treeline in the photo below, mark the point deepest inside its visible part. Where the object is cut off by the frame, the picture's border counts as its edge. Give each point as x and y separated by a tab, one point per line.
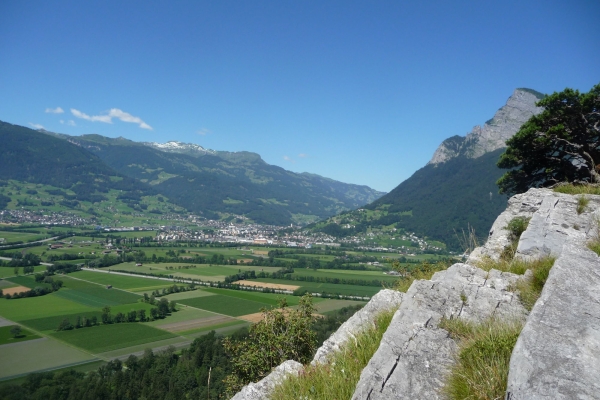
46	286
154	376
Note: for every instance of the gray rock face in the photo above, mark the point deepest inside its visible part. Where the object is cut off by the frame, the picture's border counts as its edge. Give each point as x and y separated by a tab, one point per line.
261	389
414	354
521	205
384	300
557	355
494	133
555	223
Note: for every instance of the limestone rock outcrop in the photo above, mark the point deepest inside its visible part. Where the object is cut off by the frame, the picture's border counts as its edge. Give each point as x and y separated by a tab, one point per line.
384	300
415	353
261	389
495	132
557	355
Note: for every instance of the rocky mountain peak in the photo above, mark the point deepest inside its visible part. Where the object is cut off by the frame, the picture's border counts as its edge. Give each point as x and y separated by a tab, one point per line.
179	147
495	132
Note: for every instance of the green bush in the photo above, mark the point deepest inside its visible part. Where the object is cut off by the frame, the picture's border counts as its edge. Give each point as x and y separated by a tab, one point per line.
283	334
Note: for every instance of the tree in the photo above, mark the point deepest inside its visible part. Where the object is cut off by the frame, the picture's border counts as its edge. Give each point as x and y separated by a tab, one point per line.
15	331
283	334
560	144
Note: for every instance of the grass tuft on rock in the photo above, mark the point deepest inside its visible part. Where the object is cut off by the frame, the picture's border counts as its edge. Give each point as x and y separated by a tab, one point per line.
530	288
571	188
337	378
424	270
481	369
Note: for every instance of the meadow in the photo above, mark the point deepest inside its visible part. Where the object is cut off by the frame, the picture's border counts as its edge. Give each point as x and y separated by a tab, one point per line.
6	337
99	339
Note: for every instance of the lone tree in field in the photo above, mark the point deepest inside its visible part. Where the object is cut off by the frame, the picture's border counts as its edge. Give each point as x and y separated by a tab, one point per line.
15	331
562	144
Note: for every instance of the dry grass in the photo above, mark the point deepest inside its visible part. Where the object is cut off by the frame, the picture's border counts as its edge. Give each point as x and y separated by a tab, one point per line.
481	369
337	378
423	271
570	188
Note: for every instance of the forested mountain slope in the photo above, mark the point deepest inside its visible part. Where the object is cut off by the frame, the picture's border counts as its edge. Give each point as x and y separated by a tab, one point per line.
205	182
28	155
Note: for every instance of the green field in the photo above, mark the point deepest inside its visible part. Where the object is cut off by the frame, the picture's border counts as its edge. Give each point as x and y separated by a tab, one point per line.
93	295
99	339
331	288
188	295
226	305
6	337
27	281
265	298
7	272
344	274
132	283
10	236
200	271
36	355
39	307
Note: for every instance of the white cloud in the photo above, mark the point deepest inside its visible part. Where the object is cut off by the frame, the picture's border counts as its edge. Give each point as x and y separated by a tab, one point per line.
289	159
203	132
69	122
113	113
56	110
302	155
99	118
36	126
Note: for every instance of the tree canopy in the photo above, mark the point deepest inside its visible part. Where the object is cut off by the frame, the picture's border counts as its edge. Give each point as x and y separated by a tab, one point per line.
560	144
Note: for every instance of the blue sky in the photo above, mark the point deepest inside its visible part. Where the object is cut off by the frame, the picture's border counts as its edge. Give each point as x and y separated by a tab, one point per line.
358	91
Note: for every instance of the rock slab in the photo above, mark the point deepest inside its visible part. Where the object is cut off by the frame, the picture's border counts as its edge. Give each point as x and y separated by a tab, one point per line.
261	389
557	355
384	300
414	355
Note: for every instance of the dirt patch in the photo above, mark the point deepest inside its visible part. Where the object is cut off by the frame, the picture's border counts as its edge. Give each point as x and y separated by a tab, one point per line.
13	290
267	285
254	318
245	260
261	252
196	323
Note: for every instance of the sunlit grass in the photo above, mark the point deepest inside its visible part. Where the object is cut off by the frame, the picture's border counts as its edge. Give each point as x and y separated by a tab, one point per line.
337	378
482	365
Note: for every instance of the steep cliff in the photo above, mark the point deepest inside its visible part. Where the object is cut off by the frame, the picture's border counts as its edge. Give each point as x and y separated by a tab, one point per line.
494	133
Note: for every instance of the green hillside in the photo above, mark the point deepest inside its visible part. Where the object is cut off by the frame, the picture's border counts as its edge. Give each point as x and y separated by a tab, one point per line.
234	183
437	201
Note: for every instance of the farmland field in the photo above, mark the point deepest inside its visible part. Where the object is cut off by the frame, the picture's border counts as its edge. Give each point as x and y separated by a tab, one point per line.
104	338
200	271
344	274
266	298
132	283
7	272
38	307
226	305
6	337
34	355
317	287
94	295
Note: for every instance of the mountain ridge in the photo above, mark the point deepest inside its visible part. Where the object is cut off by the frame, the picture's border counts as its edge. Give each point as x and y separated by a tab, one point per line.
213	184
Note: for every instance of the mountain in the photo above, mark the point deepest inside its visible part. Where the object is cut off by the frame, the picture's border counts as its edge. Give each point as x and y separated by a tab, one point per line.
207	182
31	156
456	190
